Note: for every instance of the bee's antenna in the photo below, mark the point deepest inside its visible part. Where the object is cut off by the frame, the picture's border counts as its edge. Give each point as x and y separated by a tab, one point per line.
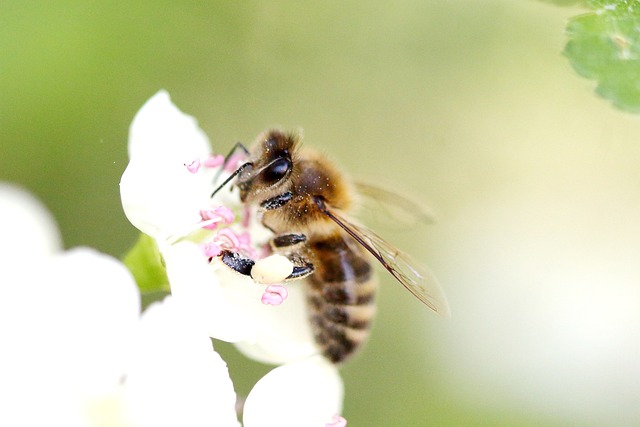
233	175
238	145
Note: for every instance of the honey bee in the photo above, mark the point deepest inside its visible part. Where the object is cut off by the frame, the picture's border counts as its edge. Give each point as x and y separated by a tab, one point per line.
306	201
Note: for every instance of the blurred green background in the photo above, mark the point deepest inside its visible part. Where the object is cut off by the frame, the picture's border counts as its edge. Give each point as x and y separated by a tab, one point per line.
467	106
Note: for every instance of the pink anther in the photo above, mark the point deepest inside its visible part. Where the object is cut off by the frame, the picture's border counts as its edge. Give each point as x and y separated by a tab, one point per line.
214	160
194	166
225	214
228	238
337	421
245	245
211	249
274	295
212	217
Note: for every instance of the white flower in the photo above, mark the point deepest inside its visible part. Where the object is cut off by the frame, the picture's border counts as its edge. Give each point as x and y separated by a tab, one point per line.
164	198
166	193
75	352
174	377
295	395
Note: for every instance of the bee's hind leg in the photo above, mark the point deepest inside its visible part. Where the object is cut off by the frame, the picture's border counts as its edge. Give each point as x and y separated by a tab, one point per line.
301	267
242	265
300	271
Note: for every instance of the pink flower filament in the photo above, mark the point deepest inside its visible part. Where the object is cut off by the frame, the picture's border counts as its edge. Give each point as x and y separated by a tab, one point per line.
193	166
233	162
212	217
214	160
211	250
232	241
274	295
337	421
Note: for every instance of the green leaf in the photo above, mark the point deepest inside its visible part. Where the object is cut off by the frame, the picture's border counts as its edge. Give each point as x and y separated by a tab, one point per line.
605	46
146	264
148	298
622	7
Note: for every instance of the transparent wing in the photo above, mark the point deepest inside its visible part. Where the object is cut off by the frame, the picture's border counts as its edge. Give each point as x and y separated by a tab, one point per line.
389	207
418	279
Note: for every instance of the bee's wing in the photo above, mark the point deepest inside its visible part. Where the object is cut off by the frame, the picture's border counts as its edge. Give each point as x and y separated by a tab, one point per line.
418	279
396	207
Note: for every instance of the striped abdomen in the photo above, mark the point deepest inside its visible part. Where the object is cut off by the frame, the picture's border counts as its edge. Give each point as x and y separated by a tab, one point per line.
340	294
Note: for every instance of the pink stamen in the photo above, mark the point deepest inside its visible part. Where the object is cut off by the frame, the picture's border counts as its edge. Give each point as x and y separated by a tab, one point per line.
225	213
236	242
233	162
246	216
245	239
337	421
229	238
194	166
211	249
214	160
265	251
275	295
212	217
245	245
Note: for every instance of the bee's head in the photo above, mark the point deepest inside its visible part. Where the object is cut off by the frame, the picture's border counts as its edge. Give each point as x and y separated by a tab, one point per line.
270	164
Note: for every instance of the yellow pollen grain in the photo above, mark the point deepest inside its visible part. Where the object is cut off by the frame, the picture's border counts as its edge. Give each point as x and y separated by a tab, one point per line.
272	269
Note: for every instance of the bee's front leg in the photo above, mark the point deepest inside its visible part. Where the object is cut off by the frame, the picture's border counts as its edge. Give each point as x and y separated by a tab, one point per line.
285	240
237	262
278	201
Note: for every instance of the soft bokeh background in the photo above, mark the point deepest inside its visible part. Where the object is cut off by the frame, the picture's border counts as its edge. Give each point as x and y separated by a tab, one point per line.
468	106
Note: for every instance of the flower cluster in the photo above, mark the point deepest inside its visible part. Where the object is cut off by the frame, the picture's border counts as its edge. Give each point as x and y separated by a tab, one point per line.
166	193
78	351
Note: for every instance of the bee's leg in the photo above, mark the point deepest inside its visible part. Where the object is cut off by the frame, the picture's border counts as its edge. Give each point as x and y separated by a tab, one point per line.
277	201
242	265
301	267
285	240
301	271
237	262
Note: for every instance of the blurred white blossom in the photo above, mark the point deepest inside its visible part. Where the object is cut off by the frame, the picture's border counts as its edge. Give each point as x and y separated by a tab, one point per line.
77	353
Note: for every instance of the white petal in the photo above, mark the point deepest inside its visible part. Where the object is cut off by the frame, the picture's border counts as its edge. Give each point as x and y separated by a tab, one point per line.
158	193
65	327
230	308
219	309
176	378
160	129
284	333
99	305
306	393
28	230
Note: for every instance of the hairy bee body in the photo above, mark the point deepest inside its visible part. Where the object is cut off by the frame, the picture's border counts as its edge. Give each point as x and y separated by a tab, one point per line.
340	295
341	289
307	203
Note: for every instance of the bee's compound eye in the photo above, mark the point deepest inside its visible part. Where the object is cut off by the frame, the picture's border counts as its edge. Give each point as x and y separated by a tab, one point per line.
277	170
